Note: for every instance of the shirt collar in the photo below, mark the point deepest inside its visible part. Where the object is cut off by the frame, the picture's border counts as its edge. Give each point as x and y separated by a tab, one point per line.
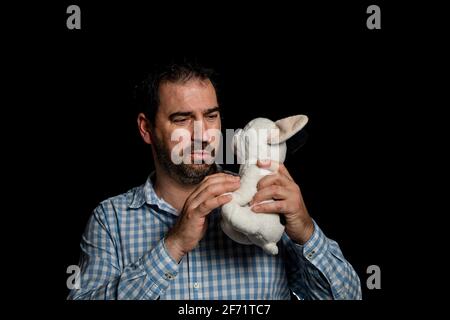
146	194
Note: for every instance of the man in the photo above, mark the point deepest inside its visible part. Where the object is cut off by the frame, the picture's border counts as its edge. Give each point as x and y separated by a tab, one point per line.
163	240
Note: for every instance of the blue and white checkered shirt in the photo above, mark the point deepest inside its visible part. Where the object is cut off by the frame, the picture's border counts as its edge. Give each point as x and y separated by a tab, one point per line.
123	256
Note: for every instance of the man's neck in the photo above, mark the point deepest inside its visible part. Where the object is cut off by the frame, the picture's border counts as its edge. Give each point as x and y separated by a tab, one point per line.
171	190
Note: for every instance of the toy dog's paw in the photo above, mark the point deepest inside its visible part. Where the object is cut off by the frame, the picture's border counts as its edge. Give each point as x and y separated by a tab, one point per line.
271	248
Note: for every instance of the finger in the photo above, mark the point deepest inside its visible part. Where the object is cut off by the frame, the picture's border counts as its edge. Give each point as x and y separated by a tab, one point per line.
272	207
216	175
209	205
269	180
220	179
272	192
284	171
213	191
212	179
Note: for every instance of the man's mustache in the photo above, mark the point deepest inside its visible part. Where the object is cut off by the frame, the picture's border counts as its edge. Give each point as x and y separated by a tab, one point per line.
200	147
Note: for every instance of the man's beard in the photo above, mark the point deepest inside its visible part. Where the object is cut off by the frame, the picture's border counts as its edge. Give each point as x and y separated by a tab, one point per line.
190	174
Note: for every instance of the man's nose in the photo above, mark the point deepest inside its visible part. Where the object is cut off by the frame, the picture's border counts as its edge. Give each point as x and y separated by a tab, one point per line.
201	132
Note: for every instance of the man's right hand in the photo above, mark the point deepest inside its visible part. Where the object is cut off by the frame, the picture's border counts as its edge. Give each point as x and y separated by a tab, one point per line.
192	222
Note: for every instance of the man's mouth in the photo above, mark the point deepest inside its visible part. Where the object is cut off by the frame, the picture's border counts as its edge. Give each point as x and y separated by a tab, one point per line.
200	155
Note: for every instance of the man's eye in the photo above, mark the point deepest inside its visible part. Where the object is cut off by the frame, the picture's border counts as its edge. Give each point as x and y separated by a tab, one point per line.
180	120
212	116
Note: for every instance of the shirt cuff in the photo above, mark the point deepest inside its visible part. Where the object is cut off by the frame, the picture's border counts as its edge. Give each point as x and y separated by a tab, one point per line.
160	267
315	247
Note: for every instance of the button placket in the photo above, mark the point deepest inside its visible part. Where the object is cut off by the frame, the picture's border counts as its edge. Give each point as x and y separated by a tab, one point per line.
311	254
169	276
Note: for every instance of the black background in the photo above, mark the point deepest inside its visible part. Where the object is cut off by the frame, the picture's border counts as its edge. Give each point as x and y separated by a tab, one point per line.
273	60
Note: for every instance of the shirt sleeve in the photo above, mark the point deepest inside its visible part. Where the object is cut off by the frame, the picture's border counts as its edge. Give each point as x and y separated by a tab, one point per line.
318	269
103	278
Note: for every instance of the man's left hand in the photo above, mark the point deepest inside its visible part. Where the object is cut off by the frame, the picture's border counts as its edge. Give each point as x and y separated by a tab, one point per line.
288	201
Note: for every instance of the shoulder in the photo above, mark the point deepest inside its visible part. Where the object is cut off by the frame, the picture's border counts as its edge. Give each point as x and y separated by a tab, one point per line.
115	206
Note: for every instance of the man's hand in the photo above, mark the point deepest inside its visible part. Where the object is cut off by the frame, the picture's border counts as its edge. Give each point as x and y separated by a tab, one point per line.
192	222
280	187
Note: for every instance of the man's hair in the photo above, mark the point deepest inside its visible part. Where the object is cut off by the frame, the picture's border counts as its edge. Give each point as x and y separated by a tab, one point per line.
147	92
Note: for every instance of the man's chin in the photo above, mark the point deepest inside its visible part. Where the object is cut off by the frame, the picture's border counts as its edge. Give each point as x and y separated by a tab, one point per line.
194	173
199	167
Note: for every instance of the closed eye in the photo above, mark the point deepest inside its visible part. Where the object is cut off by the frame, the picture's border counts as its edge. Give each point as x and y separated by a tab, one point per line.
180	120
212	116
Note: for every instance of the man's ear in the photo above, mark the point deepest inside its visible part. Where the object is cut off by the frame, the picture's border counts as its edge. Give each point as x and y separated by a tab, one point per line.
144	128
288	127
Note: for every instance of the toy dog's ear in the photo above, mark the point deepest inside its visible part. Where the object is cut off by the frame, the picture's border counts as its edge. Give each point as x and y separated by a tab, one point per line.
288	127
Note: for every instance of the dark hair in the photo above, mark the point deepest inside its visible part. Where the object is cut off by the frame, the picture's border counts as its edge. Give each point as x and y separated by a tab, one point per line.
147	92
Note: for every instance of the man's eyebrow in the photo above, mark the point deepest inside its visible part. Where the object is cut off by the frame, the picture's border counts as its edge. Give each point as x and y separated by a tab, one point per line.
189	113
211	110
179	114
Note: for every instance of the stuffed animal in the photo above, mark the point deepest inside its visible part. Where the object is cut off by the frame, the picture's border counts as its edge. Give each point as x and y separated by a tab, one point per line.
261	139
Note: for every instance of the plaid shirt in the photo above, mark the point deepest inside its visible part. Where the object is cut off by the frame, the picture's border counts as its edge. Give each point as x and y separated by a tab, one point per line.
123	256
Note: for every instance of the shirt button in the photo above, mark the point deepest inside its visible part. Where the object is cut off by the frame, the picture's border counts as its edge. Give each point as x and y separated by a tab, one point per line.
169	276
196	285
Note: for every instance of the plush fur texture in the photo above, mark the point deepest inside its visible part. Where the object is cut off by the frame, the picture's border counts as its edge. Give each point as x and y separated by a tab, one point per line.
261	139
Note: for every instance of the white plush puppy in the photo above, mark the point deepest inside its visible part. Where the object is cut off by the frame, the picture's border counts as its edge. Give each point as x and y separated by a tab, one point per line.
261	139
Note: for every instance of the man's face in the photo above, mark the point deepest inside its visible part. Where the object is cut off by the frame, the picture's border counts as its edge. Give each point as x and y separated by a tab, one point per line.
186	127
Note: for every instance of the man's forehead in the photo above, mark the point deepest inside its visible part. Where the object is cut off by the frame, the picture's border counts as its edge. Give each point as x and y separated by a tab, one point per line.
185	88
191	96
